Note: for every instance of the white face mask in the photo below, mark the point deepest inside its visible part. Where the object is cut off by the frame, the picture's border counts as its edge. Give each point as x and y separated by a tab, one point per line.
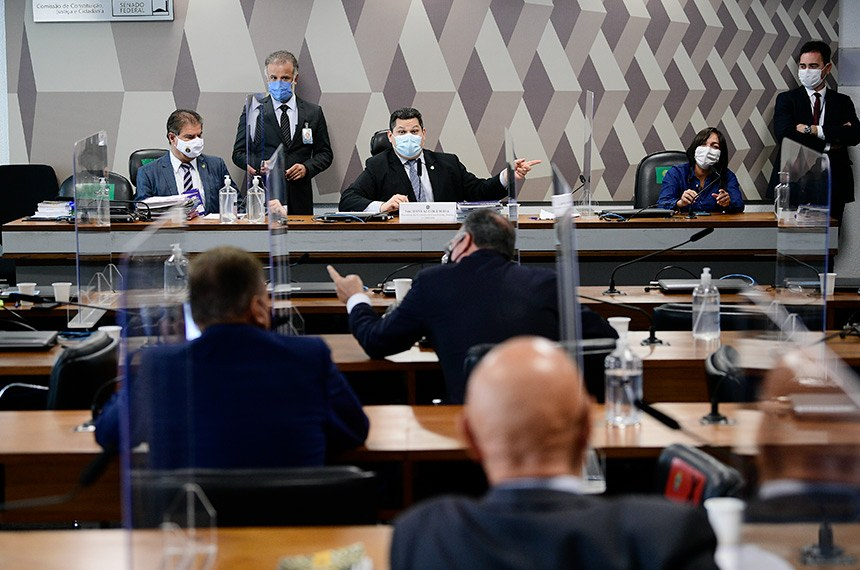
706	156
192	148
809	78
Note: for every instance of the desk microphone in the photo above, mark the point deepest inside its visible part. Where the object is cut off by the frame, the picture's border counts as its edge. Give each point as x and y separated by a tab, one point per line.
652	330
669	421
695	237
89	475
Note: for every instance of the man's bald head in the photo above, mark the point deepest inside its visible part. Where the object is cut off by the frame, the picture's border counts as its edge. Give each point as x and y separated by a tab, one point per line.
526	412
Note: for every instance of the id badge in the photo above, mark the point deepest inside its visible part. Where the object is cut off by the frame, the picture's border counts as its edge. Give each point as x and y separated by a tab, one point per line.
307	135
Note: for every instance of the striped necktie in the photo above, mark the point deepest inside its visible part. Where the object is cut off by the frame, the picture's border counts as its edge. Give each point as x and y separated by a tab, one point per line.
286	132
186	176
415	179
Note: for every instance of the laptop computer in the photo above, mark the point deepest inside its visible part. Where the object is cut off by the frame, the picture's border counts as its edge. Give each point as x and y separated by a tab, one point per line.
646	213
730	285
27	340
309	289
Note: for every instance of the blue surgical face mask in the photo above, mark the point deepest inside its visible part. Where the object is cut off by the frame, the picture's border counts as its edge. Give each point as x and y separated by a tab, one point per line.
281	90
408	145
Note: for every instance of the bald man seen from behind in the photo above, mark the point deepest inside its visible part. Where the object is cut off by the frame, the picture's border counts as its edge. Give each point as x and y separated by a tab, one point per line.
527	420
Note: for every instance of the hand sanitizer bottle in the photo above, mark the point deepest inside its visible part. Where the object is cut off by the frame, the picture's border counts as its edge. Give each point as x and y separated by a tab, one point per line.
176	271
706	309
227	202
623	376
782	200
102	217
256	203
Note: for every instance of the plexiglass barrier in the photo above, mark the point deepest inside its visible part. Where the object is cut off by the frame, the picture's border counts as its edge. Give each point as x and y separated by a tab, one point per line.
156	417
803	239
584	205
514	187
98	279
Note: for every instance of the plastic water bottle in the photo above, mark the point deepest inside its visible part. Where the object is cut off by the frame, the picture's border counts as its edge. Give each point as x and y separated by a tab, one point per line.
256	203
782	203
102	217
227	202
176	271
706	309
623	376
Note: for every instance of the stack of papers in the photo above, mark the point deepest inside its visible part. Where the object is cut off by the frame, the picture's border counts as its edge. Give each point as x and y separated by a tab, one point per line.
465	208
51	210
160	205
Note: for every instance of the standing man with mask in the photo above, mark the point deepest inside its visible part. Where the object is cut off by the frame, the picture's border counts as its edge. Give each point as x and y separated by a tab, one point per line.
282	118
407	172
821	119
185	167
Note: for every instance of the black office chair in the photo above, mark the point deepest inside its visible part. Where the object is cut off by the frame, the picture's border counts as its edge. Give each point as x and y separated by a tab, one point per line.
81	370
22	187
649	176
689	475
379	142
122	187
306	496
140	157
594	352
679	317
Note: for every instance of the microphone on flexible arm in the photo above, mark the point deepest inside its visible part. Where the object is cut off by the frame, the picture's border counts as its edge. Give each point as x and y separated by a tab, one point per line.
695	237
398	270
652	329
691	215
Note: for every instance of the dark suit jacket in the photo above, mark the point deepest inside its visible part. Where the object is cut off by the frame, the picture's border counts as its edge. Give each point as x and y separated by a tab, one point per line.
156	179
238	396
384	176
316	156
482	299
545	529
841	130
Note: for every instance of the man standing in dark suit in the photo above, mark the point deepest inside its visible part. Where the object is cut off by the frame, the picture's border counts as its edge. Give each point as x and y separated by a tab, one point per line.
239	395
185	167
482	297
281	118
407	172
527	420
821	119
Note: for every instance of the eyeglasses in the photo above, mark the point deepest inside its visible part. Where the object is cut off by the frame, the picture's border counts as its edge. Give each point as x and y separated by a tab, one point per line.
455	241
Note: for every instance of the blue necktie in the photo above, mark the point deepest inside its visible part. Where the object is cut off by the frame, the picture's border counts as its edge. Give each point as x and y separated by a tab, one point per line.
415	179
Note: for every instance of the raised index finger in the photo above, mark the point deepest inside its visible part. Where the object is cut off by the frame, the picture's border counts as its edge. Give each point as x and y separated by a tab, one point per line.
332	272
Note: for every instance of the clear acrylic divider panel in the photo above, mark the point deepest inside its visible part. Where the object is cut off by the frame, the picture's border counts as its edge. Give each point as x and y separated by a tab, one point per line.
514	187
804	435
803	237
570	324
157	422
98	280
584	206
286	319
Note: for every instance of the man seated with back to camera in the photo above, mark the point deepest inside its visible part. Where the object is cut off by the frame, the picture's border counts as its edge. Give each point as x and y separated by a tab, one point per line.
481	297
704	183
527	421
407	172
239	395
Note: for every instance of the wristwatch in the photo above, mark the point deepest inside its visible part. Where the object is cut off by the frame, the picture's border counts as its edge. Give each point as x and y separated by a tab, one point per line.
807	130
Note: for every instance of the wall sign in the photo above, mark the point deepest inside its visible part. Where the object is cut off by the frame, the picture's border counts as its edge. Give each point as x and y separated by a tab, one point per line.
102	10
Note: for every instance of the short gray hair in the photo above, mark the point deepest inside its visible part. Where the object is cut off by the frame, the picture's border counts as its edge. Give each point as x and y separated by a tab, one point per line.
490	230
283	56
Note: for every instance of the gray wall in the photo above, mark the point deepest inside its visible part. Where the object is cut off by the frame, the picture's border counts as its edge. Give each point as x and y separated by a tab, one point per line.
660	70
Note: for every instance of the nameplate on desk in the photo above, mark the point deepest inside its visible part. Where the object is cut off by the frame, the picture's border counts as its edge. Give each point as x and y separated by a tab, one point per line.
428	212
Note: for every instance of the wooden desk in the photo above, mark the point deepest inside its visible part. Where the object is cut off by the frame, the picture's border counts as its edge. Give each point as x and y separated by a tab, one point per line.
237	547
264	547
750	234
29	362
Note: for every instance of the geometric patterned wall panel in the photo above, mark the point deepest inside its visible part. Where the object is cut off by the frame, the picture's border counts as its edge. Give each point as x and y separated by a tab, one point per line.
660	71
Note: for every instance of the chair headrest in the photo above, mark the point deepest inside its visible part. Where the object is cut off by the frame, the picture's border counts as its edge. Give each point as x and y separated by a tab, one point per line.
379	142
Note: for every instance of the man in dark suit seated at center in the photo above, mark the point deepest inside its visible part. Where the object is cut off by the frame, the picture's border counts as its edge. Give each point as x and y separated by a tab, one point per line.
407	172
527	420
482	297
184	167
